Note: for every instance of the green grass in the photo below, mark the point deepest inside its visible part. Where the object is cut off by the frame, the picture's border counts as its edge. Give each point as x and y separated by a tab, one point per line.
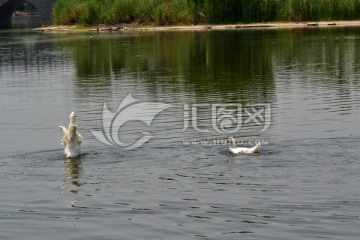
122	11
170	12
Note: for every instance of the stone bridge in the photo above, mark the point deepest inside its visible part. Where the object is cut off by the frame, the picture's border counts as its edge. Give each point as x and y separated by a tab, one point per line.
7	8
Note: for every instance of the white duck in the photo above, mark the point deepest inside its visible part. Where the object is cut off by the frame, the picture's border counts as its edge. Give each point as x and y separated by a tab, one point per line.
72	139
237	150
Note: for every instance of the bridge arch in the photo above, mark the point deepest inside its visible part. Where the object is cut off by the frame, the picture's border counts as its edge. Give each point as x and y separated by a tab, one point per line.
7	8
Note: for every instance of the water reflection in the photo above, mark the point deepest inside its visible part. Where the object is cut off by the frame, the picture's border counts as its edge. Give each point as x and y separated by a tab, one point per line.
25	21
326	53
323	59
26	56
216	63
73	171
242	67
299	72
310	171
206	63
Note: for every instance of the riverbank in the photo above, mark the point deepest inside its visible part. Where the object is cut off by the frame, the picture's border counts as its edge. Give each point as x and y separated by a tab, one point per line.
127	27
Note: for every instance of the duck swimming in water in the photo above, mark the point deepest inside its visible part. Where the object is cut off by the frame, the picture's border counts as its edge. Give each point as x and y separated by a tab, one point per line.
72	139
236	150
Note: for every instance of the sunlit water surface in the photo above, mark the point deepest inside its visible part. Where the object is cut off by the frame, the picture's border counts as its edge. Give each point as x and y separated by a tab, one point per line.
303	185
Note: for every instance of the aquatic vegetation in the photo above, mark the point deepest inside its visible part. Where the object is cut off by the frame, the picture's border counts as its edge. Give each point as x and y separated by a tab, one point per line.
164	12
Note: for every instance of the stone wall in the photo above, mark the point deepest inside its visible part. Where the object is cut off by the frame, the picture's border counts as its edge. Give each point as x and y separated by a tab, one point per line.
7	8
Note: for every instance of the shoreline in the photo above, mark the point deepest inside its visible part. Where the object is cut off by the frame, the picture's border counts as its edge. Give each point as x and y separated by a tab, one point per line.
139	28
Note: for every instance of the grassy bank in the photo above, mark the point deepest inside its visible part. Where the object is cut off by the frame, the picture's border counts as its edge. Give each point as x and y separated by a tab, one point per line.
169	12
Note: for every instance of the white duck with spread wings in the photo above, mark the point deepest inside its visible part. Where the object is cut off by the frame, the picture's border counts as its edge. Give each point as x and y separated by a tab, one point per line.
72	139
236	150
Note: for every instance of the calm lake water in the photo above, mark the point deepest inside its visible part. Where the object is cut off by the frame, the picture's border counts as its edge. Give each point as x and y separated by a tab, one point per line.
297	91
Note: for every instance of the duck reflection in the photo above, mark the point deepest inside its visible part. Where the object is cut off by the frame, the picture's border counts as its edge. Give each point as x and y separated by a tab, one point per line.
73	171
